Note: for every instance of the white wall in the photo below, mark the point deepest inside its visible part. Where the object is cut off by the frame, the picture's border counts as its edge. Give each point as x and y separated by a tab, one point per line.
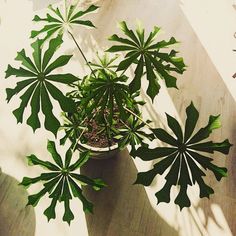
207	52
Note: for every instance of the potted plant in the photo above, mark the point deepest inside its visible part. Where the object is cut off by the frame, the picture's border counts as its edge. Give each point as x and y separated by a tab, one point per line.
102	112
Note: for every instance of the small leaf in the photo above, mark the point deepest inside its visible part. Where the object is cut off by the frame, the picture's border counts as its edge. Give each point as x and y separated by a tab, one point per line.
182	199
83	22
33	119
136	82
97	184
54	44
165	137
191	121
120	48
203	133
210	147
175	127
68	215
147	154
26	61
18	113
33	160
66	104
81	13
37	51
153	87
163	195
127	62
84	156
50	211
68	158
51	123
34	199
59	62
19	86
45	29
21	72
43	177
128	32
52	149
116	38
77	192
63	78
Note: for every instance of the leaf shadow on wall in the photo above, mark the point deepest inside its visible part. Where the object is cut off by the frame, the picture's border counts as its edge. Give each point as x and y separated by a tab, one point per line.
38	5
121	208
15	218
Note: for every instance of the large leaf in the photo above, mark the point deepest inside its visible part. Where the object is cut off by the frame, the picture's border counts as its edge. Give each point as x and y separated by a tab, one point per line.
38	92
61	183
157	64
56	23
181	162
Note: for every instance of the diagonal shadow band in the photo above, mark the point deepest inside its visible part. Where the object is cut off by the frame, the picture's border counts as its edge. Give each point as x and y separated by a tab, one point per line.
121	208
15	218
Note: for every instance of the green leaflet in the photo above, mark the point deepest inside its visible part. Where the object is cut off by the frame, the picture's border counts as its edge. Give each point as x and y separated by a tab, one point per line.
51	123
105	63
18	113
33	119
157	64
55	23
132	133
61	183
38	92
103	91
181	159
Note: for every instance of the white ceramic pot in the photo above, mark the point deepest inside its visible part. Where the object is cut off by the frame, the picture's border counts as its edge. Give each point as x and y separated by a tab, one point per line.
100	153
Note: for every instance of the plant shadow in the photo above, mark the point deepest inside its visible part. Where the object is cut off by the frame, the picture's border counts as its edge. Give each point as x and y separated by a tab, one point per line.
121	208
15	218
38	5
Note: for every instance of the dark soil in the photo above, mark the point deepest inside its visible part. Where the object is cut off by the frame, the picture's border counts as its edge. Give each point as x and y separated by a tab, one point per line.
97	139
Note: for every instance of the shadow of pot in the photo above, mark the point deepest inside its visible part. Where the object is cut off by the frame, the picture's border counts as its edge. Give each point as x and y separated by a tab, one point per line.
16	219
121	208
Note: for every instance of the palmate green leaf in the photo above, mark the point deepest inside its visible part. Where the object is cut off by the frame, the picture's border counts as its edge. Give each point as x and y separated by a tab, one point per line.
147	56
62	182
132	133
104	62
38	89
181	160
103	92
72	127
56	22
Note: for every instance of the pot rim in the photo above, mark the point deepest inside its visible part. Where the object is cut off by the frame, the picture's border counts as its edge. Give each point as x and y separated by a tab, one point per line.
97	149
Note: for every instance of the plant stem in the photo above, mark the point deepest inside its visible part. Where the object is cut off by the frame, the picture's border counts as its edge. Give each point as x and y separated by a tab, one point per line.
127	109
87	62
77	140
65	9
80	50
124	124
107	132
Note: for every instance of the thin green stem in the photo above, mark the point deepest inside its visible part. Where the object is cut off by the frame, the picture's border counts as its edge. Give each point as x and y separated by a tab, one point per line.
66	9
80	50
127	109
77	140
124	124
107	131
